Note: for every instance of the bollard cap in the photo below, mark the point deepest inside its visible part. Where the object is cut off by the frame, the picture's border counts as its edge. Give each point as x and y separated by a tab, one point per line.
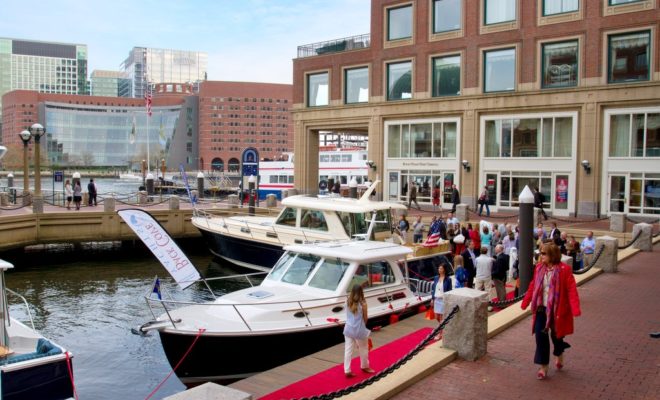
150	176
76	175
10	175
200	174
526	196
353	183
252	179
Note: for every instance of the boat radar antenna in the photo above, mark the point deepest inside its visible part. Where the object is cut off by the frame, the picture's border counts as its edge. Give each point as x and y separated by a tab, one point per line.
367	193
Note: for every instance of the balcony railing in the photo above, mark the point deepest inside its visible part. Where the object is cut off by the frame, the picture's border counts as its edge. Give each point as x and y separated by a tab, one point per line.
334	46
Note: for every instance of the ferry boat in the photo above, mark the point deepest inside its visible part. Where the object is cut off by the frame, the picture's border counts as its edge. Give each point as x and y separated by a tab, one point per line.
341	164
298	309
31	366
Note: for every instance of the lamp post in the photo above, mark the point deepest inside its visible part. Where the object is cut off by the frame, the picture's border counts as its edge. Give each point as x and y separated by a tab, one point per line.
37	131
25	137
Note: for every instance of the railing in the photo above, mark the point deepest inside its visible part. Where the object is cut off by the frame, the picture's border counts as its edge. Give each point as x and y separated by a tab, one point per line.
27	306
335	46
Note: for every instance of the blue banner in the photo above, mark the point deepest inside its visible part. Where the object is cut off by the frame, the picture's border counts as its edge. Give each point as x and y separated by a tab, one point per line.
185	183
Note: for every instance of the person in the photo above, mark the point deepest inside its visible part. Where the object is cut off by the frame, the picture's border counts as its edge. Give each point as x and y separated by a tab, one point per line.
486	238
554	301
469	261
441	285
451	219
539	199
483	201
587	248
539	232
475	236
459	272
484	267
68	191
555	233
436	197
77	195
403	227
412	197
336	188
91	189
499	272
508	242
418	230
572	250
356	333
455	198
561	242
450	236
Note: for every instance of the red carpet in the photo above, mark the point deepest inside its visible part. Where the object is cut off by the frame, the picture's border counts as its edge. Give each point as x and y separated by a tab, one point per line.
509	296
333	378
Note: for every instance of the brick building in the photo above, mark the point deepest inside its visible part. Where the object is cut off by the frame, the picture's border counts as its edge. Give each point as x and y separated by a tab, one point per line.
495	94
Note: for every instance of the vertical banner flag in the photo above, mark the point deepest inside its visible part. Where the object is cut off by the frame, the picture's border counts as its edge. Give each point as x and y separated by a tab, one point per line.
147	99
161	133
154	236
185	183
131	137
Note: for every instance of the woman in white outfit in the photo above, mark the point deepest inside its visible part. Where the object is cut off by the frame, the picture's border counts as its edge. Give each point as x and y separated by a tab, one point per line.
355	331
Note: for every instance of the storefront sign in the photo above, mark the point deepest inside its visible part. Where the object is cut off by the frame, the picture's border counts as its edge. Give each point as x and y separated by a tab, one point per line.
562	190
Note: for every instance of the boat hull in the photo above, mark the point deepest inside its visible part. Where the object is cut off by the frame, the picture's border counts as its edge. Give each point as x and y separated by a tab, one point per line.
225	359
243	252
49	381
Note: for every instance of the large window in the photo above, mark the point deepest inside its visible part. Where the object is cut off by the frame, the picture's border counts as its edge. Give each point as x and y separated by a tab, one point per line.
644	193
499	70
317	90
357	85
529	137
629	57
447	15
560	64
399	81
513	182
399	23
497	11
635	135
617	2
422	140
551	7
447	76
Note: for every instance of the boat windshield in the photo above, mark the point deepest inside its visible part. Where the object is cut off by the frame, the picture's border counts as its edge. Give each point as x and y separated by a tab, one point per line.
287	217
372	275
358	223
329	273
293	268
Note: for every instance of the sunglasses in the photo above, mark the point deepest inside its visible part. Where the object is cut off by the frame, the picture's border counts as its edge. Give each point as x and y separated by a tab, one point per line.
543	253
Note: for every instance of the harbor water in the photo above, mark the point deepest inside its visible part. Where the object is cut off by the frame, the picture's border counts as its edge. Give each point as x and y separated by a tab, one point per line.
89	299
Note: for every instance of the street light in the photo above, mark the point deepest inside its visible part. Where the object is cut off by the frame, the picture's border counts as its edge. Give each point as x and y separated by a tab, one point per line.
37	131
25	137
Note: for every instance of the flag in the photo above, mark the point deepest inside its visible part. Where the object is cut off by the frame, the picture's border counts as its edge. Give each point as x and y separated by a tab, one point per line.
147	100
131	137
432	240
156	289
161	134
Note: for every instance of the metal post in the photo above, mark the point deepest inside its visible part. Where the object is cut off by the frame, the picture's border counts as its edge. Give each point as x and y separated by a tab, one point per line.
200	184
352	189
25	137
251	194
526	238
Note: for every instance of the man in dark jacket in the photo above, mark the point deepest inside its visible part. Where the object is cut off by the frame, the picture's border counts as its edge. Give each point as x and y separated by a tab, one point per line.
499	272
469	259
91	188
539	199
455	198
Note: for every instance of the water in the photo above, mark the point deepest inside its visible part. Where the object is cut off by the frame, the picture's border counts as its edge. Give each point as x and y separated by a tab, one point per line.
88	302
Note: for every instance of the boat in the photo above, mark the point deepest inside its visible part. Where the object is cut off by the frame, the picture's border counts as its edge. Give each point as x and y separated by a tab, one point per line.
31	366
257	241
339	163
298	309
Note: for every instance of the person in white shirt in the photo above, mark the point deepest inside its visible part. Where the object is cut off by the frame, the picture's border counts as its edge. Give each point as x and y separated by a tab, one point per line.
451	219
483	280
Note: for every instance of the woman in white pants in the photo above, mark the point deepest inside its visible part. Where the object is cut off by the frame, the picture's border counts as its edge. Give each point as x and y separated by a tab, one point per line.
355	331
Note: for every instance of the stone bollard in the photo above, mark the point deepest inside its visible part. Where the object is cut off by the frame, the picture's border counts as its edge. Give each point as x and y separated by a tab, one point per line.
211	390
173	203
608	259
467	332
617	222
4	199
271	200
85	198
645	240
462	212
568	260
38	205
143	197
232	199
109	204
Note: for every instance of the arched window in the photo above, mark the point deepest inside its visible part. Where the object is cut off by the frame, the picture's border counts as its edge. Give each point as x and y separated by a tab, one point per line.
234	165
217	164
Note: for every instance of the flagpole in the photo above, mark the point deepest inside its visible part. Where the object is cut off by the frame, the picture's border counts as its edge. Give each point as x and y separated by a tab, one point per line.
148	159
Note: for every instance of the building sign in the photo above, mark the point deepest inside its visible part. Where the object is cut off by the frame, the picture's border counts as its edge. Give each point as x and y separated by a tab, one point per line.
58	176
562	190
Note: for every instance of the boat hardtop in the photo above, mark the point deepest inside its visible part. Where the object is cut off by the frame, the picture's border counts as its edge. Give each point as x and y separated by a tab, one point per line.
341	204
353	250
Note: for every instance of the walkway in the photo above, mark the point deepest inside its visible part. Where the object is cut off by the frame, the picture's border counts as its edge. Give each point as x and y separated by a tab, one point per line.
612	357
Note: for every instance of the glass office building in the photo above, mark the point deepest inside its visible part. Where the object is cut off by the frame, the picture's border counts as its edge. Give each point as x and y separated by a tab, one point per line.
110	84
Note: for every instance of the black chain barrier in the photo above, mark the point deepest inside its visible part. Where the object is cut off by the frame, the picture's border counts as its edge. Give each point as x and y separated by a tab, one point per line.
15	208
639	222
499	304
593	262
502	217
625	246
143	205
577	221
391	368
656	235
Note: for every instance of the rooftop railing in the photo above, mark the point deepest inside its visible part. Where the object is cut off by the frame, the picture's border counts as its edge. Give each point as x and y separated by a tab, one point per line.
334	46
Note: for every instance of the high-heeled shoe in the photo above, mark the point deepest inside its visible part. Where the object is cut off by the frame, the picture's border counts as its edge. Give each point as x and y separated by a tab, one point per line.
368	370
349	374
541	375
559	363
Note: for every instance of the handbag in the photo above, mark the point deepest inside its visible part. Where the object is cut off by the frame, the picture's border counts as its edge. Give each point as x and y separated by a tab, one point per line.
430	315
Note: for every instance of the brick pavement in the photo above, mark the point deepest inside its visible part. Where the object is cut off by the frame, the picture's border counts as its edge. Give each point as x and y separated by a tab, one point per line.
612	356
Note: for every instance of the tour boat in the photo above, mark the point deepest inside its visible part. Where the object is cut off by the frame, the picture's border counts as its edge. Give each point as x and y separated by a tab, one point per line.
31	366
298	309
257	241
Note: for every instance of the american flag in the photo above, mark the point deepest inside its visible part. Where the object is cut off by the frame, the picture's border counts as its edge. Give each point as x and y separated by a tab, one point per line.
147	99
432	240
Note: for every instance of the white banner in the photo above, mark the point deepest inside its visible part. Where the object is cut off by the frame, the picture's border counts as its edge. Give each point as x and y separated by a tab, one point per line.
162	245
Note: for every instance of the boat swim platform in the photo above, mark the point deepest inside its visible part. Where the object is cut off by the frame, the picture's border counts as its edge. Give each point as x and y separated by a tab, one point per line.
429	360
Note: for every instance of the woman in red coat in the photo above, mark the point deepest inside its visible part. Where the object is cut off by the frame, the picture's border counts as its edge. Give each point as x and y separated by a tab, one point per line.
554	299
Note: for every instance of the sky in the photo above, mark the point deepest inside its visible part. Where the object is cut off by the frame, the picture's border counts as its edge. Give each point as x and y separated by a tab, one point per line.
246	40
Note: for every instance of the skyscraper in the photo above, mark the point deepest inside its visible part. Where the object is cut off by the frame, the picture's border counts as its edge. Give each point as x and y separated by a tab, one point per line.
147	65
110	83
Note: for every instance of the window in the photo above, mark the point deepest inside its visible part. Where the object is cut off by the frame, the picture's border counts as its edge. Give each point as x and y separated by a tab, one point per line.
357	85
287	217
399	81
447	15
329	274
635	135
399	23
436	139
529	137
551	7
313	219
498	11
300	268
372	275
499	70
629	57
617	2
560	65
317	90
447	76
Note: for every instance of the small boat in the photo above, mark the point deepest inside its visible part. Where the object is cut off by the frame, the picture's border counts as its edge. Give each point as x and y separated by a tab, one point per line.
298	309
31	366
